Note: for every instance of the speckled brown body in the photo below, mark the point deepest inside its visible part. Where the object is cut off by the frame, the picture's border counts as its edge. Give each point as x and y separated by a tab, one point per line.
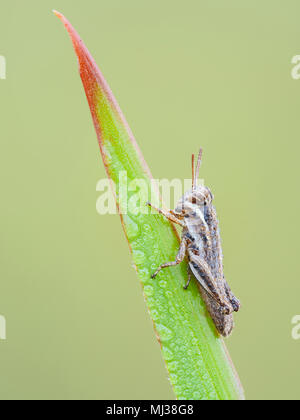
201	243
214	258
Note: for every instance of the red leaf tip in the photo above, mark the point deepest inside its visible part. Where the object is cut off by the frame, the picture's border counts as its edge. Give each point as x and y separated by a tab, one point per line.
60	16
73	34
64	21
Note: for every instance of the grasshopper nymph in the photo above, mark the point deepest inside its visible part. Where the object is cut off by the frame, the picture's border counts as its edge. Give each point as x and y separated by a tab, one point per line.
201	243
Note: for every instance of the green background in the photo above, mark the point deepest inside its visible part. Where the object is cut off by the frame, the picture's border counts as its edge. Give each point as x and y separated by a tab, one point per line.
215	74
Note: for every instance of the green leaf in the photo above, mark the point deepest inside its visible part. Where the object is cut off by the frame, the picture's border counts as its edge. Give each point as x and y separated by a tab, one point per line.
196	358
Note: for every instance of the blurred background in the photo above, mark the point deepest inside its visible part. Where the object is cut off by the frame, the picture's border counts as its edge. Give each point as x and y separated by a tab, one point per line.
215	74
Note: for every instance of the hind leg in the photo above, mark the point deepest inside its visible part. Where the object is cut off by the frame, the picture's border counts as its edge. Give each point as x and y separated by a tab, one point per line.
233	300
189	278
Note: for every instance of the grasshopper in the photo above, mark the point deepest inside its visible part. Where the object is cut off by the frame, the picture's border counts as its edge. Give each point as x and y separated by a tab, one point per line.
201	244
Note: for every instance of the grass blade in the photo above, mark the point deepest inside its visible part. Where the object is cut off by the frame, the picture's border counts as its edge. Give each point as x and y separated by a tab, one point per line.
196	358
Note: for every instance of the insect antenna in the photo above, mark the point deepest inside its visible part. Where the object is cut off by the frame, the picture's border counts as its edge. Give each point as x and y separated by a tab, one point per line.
193	172
196	173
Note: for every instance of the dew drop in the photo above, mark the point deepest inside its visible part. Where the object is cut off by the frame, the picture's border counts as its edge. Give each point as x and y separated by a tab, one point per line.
164	332
163	283
146	228
151	301
197	395
173	378
168	354
153	266
152	258
212	396
132	228
178	389
172	310
155	314
139	257
144	275
173	365
148	290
